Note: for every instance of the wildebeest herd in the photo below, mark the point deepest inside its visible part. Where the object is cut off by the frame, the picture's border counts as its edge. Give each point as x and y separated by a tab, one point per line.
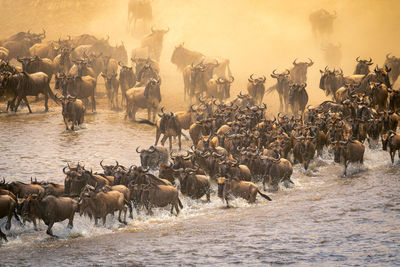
234	144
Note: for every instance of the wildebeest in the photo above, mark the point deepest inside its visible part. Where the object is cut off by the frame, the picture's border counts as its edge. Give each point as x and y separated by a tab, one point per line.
127	79
112	84
36	64
393	63
81	68
332	54
154	42
18	44
298	74
193	185
7	208
282	87
330	81
298	97
51	209
4	53
219	88
45	50
99	204
347	152
391	140
322	22
139	9
160	196
148	97
362	66
63	61
256	88
82	88
153	157
33	85
277	170
73	111
237	188
183	57
169	126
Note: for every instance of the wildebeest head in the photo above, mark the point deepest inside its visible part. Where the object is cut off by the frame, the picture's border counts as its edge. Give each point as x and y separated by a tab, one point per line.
25	61
382	75
61	83
152	89
66	102
81	65
224	86
146	156
298	73
158	34
109	169
65	55
338	150
258	81
362	66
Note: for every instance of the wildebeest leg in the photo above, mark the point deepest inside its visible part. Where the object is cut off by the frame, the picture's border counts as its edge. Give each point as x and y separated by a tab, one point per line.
2	235
158	134
104	219
154	114
8	225
133	114
116	97
129	204
180	142
208	194
164	139
49	231
46	102
345	169
392	154
170	142
66	123
34	224
71	221
93	102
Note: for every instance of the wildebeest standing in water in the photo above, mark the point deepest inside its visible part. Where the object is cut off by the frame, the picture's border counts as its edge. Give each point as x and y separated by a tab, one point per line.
147	97
169	126
33	85
112	84
127	79
139	10
73	111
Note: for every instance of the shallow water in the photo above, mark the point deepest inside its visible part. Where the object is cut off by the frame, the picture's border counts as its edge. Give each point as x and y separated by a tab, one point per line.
323	220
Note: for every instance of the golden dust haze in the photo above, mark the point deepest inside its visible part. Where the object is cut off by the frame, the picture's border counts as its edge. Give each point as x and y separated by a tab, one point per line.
257	36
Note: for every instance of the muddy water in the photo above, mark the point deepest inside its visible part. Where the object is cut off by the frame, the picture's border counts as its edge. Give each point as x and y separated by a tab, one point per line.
324	220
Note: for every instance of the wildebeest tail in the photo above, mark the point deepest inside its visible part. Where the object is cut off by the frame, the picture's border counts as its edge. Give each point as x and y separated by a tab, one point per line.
52	94
264	195
272	88
180	203
146	122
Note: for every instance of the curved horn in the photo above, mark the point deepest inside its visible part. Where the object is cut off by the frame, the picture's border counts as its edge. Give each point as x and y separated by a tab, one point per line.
311	62
64	170
370	60
388	56
232	79
101	163
251	78
357	59
117	164
294	62
137	150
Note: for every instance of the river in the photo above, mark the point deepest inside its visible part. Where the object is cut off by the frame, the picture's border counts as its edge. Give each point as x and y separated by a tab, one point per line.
323	220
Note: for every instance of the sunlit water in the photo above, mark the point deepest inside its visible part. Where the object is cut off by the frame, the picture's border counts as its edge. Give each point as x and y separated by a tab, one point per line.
324	220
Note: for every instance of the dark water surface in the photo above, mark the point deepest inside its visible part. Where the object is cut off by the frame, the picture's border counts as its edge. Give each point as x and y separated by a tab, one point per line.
325	220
